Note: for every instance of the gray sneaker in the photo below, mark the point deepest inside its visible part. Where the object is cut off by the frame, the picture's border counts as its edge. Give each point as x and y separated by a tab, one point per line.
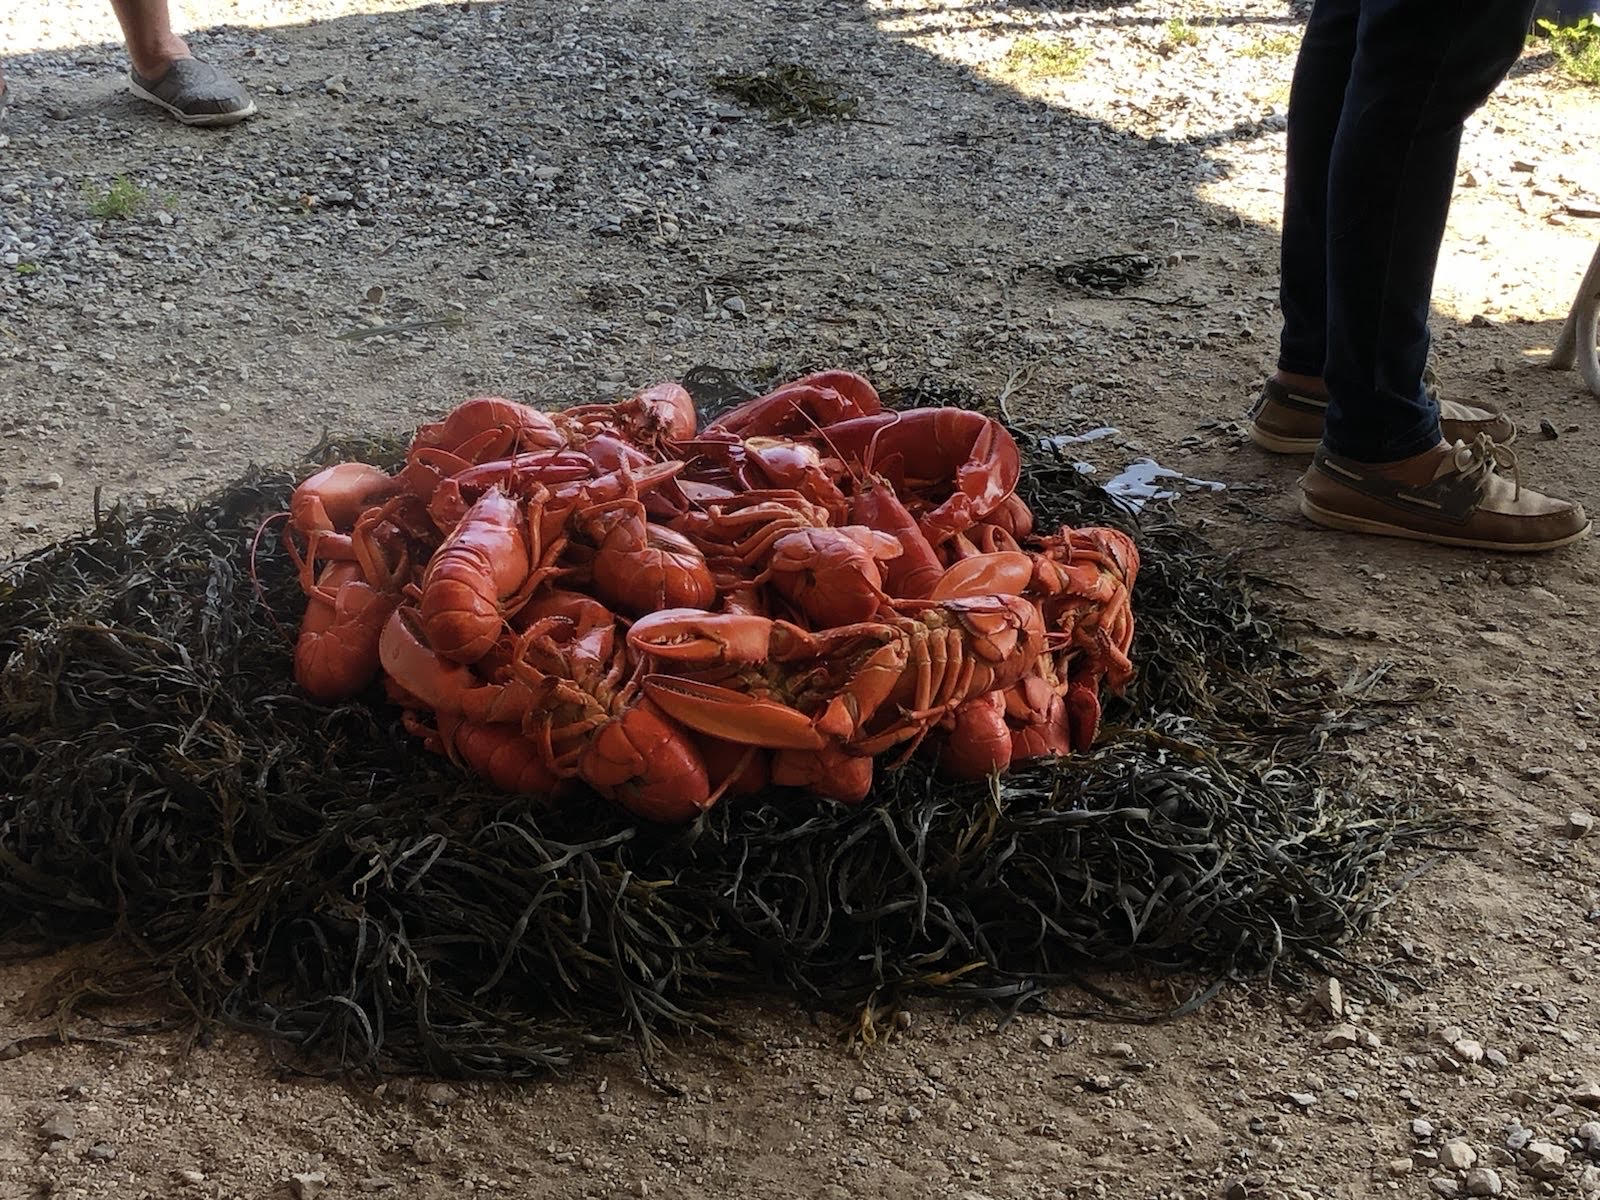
196	93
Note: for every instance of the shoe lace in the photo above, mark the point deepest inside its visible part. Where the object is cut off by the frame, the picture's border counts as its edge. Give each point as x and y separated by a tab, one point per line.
1483	457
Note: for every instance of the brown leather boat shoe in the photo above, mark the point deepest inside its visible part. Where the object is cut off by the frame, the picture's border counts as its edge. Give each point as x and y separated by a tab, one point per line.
1289	422
1470	501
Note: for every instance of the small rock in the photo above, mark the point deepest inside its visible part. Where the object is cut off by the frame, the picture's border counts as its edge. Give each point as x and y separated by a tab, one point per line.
1303	1099
307	1186
1589	1180
861	1095
1588	1135
427	1149
1456	1155
1421	1129
374	1183
1425	1158
546	174
441	1094
102	1152
1467	1050
190	1176
1399	1166
47	483
1237	1190
1517	1137
641	1188
1330	995
1579	824
1548	429
1120	1050
1443	1185
1496	1060
375	294
1481	1181
59	1126
1544	1160
1585	1095
1340	1037
735	305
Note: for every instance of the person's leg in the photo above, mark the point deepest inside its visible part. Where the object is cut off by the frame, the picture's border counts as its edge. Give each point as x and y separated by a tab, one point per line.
1316	99
147	30
1421	67
167	75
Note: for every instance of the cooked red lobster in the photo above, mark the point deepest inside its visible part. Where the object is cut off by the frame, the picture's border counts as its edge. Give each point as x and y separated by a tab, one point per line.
667	613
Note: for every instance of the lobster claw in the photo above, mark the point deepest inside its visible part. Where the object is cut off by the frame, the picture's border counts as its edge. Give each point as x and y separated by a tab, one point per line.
693	635
1005	573
732	716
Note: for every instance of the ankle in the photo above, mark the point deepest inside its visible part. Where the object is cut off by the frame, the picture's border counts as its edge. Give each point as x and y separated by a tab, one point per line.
1305	385
154	60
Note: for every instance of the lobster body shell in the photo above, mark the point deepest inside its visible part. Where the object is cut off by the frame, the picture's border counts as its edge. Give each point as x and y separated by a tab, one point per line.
484	561
336	654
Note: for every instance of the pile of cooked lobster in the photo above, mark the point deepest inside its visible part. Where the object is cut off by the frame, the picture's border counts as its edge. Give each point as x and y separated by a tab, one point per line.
670	612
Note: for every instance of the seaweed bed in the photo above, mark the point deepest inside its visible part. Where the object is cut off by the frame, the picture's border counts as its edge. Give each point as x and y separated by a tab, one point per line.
312	873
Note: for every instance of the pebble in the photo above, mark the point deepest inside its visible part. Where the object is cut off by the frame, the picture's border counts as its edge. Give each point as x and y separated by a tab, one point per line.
1443	1185
59	1126
1340	1037
1481	1181
427	1149
1456	1155
1585	1095
1467	1050
1330	995
47	483
307	1186
1588	1135
861	1095
1303	1099
1517	1137
1400	1166
735	305
1579	824
1421	1129
1548	429
375	1183
190	1176
102	1152
1496	1059
1544	1160
441	1094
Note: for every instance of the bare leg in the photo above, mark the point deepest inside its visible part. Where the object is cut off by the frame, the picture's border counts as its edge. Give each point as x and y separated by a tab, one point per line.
147	28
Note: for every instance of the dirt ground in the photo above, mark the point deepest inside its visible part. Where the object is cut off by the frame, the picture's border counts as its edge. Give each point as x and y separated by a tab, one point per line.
561	184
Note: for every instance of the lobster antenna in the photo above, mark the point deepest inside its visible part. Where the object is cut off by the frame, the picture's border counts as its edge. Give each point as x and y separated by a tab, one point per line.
872	442
822	432
255	578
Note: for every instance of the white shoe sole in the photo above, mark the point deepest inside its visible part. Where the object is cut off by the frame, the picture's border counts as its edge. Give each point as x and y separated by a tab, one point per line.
1332	520
203	120
1282	445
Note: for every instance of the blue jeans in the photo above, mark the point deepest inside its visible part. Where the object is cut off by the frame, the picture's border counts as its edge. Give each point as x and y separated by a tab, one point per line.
1380	92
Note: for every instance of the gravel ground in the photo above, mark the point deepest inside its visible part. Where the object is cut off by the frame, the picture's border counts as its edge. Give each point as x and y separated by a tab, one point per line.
559	193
